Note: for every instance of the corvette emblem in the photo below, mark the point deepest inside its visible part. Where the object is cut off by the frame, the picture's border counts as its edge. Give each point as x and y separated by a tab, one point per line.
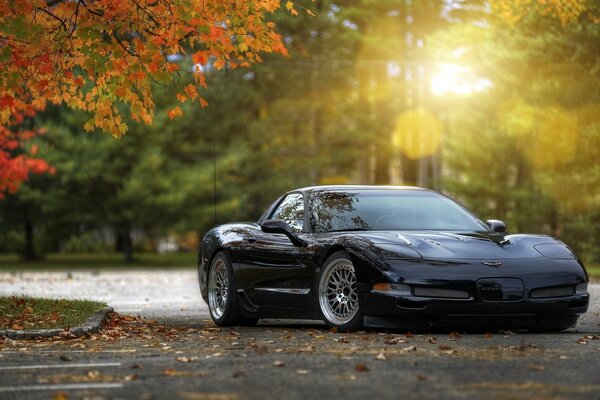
493	264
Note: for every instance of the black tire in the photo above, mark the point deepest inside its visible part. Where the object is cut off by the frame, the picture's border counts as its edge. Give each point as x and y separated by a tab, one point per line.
224	312
338	302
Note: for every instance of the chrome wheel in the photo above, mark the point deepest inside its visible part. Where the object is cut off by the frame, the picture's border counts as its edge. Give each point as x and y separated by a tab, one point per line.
218	288
338	295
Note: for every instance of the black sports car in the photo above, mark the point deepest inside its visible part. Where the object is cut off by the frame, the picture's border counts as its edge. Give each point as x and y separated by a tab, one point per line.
391	257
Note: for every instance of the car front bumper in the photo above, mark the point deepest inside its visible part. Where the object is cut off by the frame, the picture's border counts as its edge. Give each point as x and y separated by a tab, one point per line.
411	312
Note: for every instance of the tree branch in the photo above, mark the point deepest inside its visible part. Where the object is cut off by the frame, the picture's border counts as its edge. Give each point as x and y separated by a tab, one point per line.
55	17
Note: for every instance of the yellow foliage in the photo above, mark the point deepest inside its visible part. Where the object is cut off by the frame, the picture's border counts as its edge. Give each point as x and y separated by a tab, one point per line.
566	11
546	135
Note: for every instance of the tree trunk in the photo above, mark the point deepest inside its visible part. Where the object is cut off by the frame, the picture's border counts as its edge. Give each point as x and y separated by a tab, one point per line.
127	246
29	250
124	244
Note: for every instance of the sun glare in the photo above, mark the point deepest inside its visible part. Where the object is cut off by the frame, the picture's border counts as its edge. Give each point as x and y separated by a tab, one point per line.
458	80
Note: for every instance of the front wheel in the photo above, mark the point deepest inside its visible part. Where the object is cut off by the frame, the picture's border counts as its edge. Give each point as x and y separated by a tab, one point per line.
222	297
338	293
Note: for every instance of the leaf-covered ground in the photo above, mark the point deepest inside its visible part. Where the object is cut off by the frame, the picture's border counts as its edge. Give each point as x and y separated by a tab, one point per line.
197	360
27	313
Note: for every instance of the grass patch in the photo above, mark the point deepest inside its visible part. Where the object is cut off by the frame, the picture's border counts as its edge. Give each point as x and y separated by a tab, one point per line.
75	261
29	313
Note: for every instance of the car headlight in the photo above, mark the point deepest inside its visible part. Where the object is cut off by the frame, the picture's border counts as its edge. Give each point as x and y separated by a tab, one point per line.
556	251
392	289
581	288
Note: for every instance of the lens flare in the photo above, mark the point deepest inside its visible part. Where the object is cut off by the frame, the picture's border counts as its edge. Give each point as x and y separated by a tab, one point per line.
418	133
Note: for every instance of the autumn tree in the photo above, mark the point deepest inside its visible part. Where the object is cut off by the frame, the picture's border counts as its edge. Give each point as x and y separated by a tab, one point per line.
18	158
98	55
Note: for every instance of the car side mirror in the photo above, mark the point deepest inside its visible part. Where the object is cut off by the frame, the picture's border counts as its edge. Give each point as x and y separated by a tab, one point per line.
496	225
278	226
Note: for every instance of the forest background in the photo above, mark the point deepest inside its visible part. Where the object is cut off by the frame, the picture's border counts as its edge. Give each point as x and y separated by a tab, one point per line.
496	104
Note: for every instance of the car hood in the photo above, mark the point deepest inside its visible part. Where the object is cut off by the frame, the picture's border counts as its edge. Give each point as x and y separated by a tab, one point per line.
453	245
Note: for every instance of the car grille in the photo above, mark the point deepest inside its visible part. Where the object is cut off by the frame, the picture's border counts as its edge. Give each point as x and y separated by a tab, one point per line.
500	289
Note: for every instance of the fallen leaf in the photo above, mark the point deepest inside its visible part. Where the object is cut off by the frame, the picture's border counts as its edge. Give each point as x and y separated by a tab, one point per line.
410	348
60	396
66	334
278	363
186	359
445	347
536	367
360	367
421	377
17	327
395	340
487	335
132	377
381	356
302	371
432	339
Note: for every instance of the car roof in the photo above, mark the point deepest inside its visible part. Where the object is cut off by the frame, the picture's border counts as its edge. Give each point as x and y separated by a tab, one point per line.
343	188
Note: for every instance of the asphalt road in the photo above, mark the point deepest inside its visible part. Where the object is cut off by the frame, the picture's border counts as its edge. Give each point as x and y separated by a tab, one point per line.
184	356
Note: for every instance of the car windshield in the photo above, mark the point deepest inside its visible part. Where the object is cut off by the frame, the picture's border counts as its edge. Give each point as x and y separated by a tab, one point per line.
389	210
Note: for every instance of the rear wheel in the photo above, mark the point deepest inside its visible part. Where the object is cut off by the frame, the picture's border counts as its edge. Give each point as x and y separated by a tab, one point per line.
222	294
338	293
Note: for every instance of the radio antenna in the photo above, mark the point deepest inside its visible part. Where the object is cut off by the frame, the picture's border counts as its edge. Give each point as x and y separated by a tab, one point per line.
214	138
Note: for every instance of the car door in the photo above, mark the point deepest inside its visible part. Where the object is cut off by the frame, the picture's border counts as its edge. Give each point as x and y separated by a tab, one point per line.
272	272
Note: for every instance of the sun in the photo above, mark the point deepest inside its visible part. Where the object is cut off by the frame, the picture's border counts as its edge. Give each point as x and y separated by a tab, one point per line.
457	80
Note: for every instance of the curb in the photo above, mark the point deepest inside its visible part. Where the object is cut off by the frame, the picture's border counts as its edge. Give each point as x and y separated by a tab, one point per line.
92	325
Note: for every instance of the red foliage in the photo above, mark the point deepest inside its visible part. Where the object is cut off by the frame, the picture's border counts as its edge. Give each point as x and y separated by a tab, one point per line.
17	160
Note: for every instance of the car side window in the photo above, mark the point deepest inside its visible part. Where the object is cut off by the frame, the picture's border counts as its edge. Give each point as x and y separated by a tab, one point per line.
291	211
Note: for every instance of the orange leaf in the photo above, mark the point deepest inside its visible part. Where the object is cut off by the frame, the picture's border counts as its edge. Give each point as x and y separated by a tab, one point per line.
175	112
